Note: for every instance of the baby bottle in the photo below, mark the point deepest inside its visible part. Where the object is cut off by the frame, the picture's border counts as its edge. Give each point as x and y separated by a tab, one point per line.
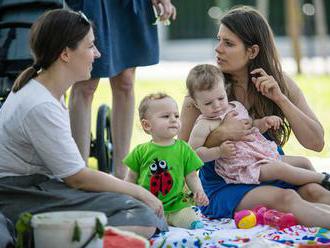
273	217
279	219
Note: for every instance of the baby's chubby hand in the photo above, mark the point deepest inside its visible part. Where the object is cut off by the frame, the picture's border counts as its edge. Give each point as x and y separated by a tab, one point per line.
227	149
201	198
273	121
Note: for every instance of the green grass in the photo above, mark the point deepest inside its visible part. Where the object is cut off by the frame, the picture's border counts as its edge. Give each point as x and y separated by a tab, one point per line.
315	88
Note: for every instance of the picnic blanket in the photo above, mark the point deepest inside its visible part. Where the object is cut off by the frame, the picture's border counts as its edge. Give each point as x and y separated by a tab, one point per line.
223	233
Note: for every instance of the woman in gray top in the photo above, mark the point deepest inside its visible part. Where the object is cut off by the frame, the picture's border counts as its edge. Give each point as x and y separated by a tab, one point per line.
41	168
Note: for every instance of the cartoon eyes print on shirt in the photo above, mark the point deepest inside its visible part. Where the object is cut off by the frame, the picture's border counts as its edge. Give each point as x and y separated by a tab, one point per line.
160	181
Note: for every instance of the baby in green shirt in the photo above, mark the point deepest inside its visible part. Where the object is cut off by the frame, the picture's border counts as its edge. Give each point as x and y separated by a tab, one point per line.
164	164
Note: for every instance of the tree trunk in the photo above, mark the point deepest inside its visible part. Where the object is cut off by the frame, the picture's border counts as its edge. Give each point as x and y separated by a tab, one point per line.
321	27
293	25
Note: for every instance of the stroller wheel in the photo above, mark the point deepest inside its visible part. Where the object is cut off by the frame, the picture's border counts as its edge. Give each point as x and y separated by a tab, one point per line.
104	140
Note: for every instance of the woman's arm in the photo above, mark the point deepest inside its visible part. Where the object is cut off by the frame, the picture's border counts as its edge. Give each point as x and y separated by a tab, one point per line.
302	119
305	125
97	181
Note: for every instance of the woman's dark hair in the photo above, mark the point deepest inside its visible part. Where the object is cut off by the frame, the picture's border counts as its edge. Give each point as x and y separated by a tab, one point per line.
50	34
250	26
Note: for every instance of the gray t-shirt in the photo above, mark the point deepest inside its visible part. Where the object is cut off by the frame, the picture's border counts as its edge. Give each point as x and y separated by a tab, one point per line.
35	135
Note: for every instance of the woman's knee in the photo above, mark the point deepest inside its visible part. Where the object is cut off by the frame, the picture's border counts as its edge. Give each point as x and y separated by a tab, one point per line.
85	89
147	231
124	81
312	192
284	199
304	163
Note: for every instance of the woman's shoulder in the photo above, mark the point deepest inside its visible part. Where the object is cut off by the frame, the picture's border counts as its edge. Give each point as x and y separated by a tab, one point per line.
35	93
29	102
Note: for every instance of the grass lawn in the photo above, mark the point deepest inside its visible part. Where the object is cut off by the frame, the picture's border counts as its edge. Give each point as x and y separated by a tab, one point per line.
315	88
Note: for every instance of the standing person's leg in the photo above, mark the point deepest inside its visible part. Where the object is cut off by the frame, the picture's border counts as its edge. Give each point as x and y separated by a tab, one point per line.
122	117
286	200
80	107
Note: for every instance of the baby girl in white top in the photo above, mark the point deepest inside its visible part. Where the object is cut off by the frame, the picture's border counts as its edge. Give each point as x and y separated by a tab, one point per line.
248	162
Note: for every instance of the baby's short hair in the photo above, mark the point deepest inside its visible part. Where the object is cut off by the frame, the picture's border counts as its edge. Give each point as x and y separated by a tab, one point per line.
203	77
145	103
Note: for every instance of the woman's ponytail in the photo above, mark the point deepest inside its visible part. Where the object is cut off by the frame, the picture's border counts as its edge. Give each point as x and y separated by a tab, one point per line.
25	77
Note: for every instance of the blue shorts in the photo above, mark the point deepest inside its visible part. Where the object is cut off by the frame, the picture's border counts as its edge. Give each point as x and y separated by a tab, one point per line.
224	198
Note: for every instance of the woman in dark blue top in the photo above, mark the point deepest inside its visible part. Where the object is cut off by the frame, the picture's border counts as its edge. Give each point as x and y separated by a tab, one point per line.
247	55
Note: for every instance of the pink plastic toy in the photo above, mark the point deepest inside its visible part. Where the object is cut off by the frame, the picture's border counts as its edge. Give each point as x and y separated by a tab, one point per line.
278	219
264	216
259	211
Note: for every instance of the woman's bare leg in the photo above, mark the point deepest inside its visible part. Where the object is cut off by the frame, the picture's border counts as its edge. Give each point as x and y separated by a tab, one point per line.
122	87
80	107
286	200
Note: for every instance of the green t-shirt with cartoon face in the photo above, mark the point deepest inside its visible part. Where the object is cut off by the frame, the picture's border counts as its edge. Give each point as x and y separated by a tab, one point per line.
162	170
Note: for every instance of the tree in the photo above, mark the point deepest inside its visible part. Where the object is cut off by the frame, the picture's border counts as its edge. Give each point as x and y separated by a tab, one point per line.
293	25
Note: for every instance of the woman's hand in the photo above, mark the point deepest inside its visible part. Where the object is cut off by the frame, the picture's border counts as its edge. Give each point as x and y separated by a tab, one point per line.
154	203
230	129
165	9
237	129
266	85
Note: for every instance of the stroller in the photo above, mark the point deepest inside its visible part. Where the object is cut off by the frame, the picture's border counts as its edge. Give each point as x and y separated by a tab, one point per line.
16	18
